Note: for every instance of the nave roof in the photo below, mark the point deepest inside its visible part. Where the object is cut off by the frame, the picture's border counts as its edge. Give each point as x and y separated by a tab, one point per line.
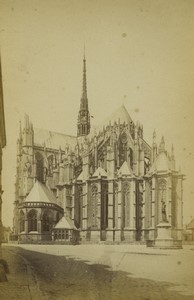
53	140
120	115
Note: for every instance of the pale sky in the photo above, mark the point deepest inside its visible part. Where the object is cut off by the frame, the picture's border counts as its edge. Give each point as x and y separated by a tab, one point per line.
139	53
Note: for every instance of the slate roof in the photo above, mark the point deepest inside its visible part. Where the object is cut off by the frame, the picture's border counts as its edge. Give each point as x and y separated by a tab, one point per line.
65	223
124	170
162	163
40	193
100	172
53	140
120	114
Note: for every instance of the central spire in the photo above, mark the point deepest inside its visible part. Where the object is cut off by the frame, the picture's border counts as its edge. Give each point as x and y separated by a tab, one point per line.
83	124
84	98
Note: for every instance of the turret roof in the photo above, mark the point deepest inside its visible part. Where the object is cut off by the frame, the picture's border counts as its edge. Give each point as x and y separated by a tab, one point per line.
40	193
162	163
100	172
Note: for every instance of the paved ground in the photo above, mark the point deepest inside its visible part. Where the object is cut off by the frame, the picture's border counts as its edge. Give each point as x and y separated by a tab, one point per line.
98	272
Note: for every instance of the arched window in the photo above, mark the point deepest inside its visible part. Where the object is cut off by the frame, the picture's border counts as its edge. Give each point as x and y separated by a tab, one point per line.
122	149
32	221
22	221
126	206
115	205
47	221
104	205
78	206
148	204
131	158
39	167
50	159
94	206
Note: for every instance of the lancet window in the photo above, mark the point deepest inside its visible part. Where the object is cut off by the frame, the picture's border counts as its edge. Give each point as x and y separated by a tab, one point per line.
39	167
47	221
123	149
32	221
94	206
126	205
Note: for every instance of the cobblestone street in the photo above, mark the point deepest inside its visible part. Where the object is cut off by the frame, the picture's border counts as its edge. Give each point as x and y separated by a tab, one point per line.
97	272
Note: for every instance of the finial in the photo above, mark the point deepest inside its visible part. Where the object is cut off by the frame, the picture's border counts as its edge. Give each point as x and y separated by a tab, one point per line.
172	150
154	134
162	145
20	134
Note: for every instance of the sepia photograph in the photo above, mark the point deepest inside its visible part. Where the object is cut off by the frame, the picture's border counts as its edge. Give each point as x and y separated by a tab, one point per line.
96	149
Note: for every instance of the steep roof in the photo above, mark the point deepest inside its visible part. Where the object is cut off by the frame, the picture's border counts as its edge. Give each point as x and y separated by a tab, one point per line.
53	140
120	115
161	164
65	223
124	170
100	172
40	193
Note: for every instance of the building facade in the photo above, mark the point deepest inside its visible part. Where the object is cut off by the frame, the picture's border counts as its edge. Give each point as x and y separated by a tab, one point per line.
109	181
2	145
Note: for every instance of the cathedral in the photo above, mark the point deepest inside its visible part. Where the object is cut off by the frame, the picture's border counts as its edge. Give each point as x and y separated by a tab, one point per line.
103	185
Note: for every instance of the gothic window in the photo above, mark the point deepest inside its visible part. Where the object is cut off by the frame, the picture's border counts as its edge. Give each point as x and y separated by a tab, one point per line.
50	164
92	163
39	167
148	204
32	221
78	166
94	206
22	221
122	149
78	206
47	221
101	157
126	205
115	207
104	206
131	158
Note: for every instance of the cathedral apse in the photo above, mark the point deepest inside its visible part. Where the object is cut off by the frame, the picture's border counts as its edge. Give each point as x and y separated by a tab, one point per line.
106	184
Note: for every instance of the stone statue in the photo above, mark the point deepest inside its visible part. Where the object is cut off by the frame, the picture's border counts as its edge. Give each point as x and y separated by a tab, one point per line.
164	218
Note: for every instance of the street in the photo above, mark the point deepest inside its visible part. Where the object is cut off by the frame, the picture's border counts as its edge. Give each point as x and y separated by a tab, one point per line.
98	272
